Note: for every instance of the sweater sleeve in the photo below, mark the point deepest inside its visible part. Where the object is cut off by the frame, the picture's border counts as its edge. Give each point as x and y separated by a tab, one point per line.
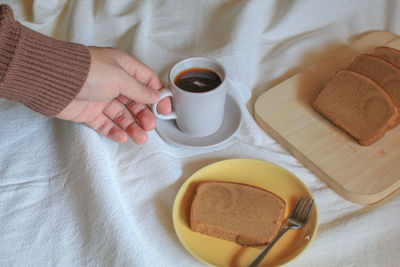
40	72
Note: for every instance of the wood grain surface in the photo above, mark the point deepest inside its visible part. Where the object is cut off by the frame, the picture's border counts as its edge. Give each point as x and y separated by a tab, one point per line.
357	173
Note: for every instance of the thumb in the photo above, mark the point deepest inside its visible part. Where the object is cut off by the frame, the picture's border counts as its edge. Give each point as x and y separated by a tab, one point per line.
133	89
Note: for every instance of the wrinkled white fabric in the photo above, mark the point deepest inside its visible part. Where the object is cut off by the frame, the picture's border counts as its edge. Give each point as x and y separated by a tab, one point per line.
69	197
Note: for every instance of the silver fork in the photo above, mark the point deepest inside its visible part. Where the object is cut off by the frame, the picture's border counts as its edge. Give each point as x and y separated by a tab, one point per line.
296	220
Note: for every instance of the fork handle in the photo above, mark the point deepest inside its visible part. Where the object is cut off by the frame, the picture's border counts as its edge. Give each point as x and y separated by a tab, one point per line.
264	252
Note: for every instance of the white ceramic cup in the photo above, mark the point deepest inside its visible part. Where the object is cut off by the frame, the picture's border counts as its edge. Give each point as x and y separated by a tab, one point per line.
196	114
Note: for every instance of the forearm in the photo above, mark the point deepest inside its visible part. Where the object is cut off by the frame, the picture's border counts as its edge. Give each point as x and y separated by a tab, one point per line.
40	72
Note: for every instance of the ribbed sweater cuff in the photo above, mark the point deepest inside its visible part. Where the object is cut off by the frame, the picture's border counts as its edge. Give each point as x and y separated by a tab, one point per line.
40	72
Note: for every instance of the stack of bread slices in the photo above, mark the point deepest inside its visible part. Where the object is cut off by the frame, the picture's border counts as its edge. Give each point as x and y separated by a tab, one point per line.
364	98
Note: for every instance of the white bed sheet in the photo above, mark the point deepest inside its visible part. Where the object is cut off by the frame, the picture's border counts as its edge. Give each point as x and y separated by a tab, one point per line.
69	197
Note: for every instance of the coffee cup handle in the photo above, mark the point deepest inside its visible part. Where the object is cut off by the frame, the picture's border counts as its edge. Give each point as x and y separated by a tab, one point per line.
165	92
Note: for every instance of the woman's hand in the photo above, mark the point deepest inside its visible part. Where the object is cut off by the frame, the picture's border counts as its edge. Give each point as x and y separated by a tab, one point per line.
113	101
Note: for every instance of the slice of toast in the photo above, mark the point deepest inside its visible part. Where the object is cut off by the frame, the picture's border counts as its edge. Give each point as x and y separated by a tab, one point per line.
358	105
247	215
382	72
389	54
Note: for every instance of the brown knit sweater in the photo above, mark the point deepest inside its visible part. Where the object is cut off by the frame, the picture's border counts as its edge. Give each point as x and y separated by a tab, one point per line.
40	72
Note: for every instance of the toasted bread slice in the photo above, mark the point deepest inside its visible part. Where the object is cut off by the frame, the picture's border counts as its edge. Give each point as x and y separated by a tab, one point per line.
358	105
247	215
389	54
382	72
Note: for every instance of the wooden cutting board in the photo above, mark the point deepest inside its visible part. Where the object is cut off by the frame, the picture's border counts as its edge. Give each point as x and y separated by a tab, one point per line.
357	173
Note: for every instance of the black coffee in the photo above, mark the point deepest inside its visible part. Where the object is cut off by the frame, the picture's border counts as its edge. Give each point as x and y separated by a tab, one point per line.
197	80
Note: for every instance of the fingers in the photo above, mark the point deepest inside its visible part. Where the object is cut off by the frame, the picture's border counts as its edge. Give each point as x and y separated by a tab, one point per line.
104	126
118	122
141	112
164	106
143	75
139	71
133	89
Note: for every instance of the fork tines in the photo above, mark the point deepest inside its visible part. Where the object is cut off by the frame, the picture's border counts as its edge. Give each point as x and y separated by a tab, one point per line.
303	208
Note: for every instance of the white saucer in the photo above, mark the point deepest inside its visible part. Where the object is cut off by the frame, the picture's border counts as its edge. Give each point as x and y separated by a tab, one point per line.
168	130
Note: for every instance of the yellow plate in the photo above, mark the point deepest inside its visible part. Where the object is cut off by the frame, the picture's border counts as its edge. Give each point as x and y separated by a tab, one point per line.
218	252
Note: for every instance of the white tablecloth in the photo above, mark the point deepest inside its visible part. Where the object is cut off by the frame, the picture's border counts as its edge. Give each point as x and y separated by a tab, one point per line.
69	197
